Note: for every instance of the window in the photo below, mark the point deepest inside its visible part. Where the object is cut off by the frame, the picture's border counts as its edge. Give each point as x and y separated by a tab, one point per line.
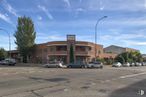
51	49
61	48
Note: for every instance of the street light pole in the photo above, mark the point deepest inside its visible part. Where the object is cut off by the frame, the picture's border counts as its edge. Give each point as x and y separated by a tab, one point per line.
9	41
96	33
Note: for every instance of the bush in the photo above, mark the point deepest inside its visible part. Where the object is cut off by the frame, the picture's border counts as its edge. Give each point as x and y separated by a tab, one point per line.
3	54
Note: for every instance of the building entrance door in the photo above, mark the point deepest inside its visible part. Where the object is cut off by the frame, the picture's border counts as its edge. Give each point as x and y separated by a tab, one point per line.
81	60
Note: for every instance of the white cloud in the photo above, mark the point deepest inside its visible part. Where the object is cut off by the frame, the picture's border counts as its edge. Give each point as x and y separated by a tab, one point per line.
46	37
145	3
130	36
101	5
102	8
5	18
10	9
116	5
39	18
130	39
55	37
134	43
45	10
125	21
120	37
106	37
80	9
67	3
89	38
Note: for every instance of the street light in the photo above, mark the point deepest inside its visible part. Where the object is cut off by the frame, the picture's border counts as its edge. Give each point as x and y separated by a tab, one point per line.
9	41
96	33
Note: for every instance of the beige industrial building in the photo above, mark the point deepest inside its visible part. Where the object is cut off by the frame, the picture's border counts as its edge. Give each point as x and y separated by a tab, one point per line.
117	49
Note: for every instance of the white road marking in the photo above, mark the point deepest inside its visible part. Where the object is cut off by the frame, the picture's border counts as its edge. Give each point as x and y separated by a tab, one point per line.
125	76
132	75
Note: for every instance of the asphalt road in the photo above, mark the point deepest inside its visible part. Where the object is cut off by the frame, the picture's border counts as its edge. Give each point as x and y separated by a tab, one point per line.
51	82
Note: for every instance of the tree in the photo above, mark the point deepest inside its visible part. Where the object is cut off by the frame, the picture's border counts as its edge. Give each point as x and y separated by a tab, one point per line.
71	54
108	61
130	57
25	37
3	54
136	56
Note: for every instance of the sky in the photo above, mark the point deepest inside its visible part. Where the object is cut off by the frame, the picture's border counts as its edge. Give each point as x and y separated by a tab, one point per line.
53	19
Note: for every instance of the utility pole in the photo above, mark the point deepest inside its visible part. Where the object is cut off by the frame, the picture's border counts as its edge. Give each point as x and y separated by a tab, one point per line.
96	34
9	41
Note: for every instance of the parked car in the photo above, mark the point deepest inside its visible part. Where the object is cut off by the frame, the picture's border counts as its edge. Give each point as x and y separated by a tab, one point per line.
8	61
77	65
132	64
143	63
95	65
54	65
117	64
138	64
126	64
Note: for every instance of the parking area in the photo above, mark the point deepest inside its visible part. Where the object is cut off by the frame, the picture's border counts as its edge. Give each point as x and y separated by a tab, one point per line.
53	82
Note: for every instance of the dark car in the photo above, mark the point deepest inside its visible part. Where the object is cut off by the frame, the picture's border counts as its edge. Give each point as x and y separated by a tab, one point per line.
9	61
77	65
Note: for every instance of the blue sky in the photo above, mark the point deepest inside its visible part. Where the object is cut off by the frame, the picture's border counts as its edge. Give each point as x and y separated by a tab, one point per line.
54	19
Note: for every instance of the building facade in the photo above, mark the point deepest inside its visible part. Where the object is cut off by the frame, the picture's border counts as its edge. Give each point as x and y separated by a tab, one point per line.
61	50
65	51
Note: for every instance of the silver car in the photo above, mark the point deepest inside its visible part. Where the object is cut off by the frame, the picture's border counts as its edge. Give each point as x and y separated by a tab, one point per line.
132	64
138	64
8	61
95	65
117	64
126	64
54	65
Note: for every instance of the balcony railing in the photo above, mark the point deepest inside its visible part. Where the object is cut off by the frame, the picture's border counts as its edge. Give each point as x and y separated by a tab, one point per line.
83	53
57	53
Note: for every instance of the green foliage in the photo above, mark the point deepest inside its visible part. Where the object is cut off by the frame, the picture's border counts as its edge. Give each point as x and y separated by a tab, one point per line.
108	61
130	57
3	54
25	37
71	54
100	59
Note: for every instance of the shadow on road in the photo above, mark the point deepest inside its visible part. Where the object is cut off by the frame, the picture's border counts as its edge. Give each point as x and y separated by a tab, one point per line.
51	79
134	90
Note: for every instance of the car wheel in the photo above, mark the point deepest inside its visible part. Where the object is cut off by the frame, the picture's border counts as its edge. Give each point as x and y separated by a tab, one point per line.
47	66
58	66
82	66
69	66
10	64
101	67
86	66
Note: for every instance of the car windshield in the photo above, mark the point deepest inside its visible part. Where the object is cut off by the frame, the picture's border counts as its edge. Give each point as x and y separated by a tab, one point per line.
53	62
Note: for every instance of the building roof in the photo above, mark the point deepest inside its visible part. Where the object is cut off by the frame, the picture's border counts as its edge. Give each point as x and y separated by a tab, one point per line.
121	47
114	46
65	42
